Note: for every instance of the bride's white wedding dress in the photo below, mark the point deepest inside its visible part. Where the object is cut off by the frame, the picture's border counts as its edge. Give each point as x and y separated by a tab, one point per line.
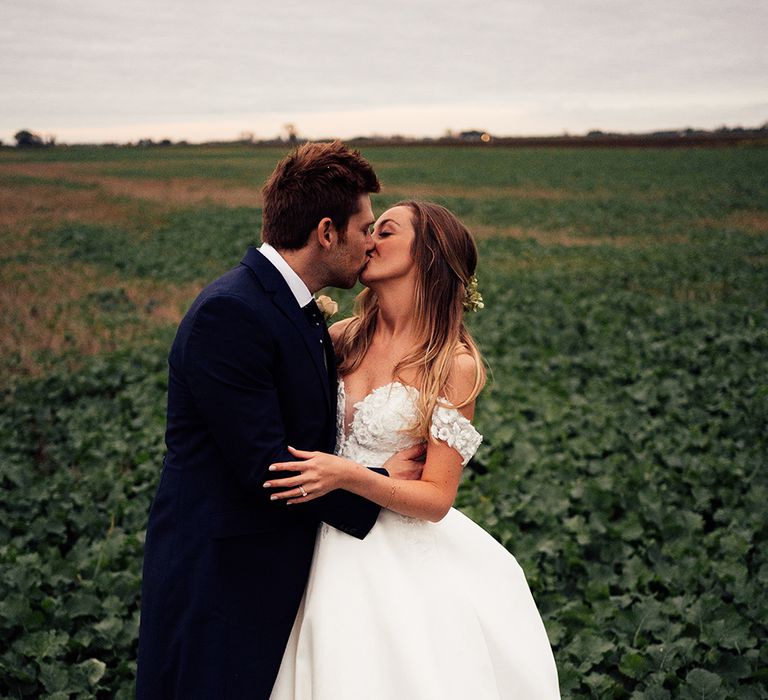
417	610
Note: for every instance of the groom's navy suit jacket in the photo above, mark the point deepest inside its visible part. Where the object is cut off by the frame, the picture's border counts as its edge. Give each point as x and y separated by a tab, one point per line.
225	567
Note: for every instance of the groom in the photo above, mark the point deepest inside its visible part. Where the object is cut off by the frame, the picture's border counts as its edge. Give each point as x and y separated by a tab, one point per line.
252	371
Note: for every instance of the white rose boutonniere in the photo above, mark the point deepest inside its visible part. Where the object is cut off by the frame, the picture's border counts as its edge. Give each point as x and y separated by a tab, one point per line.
328	307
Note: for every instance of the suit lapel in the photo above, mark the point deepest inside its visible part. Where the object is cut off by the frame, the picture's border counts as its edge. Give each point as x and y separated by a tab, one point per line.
333	379
282	297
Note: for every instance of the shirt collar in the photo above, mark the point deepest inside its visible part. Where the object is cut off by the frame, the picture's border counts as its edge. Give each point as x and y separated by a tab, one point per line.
296	284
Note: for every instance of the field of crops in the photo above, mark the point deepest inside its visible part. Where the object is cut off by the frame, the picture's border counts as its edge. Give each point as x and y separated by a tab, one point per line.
625	461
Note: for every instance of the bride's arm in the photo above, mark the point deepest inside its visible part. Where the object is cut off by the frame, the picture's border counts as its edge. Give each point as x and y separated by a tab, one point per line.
429	498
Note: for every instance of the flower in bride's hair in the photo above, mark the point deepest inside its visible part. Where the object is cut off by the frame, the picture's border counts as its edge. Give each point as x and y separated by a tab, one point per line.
328	307
473	300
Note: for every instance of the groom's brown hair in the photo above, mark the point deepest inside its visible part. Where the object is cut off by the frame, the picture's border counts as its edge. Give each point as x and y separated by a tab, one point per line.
314	181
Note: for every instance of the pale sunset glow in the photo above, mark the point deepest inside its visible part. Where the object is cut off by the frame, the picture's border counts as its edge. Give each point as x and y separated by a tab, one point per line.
89	72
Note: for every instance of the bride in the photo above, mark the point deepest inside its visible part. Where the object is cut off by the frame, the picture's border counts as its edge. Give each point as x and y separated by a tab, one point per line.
429	605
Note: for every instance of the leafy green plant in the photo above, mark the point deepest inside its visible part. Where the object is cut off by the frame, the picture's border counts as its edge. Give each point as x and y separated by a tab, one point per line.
626	442
80	458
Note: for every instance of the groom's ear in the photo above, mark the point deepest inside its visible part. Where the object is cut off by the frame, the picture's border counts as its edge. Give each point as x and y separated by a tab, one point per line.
325	232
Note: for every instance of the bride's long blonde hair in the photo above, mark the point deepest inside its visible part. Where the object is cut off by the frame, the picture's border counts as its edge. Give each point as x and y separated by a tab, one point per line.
445	257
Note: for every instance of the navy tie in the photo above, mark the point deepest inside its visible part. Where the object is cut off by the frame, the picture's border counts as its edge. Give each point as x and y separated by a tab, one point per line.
316	320
317	323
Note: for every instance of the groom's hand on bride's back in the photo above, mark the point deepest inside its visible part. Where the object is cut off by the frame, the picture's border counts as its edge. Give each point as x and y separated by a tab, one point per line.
408	463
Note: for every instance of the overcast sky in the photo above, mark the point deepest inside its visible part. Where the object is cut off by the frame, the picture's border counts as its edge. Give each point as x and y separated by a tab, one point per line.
93	70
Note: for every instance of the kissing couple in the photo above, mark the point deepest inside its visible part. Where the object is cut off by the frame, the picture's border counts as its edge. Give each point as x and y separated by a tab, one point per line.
302	542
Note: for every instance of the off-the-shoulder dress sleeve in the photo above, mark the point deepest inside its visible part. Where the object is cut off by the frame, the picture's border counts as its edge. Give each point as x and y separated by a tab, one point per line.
457	431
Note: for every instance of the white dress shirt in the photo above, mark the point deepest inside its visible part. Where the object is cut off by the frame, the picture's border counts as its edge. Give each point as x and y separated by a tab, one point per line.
298	288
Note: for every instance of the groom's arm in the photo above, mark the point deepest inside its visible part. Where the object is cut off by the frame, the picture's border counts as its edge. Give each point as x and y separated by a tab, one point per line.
340	508
229	362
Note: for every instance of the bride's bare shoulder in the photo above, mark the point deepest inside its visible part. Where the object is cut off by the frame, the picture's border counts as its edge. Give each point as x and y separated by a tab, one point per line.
464	376
464	364
464	369
337	329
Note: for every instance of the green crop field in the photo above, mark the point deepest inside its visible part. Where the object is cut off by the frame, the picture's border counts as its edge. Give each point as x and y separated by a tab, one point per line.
625	460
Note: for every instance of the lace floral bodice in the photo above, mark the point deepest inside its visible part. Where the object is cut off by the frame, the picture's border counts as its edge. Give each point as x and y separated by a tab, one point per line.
380	420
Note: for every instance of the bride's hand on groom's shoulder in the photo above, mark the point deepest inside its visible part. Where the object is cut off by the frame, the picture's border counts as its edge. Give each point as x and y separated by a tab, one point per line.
408	463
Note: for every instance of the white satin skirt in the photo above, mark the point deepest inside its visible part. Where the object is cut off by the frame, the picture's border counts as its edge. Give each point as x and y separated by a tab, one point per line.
416	611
